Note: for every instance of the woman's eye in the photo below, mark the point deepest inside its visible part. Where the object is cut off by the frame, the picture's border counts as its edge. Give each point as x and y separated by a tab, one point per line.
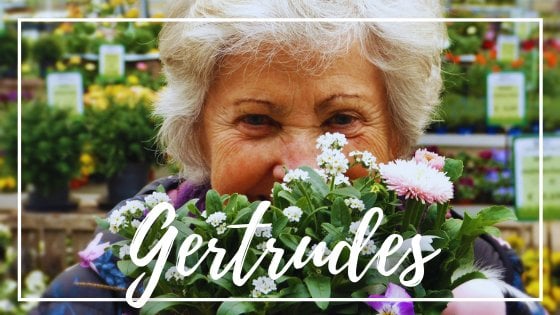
257	120
340	120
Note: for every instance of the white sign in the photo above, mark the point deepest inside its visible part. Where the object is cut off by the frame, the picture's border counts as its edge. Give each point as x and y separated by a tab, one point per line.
111	60
507	48
526	168
505	98
65	89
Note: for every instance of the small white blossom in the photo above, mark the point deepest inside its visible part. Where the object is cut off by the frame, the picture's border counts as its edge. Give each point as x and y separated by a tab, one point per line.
204	214
216	218
135	223
333	162
221	229
261	246
5	231
265	231
365	158
322	173
36	281
172	273
155	198
369	248
133	207
263	285
355	203
285	187
115	220
340	179
293	213
6	305
331	141
326	250
124	251
296	174
354	228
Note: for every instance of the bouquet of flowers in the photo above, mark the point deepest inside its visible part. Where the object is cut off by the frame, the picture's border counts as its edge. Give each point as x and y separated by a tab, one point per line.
321	235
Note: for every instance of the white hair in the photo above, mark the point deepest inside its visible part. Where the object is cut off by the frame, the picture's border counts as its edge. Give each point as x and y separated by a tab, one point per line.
407	53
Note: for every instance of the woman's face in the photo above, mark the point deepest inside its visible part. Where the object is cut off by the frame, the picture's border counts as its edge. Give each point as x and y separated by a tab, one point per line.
260	117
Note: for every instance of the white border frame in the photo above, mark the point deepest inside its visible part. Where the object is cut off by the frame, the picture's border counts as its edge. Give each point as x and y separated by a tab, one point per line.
292	20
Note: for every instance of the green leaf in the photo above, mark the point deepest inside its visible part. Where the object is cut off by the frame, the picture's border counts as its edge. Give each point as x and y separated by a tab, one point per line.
340	214
127	267
102	223
213	202
317	182
234	308
335	231
195	222
278	225
453	168
287	196
467	277
319	287
346	192
160	189
289	240
154	308
232	204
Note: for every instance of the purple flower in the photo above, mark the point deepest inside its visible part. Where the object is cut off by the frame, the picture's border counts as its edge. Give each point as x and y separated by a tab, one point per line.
492	176
500	156
93	251
392	308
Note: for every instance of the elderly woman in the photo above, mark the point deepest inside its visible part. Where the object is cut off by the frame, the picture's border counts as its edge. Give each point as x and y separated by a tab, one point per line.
246	100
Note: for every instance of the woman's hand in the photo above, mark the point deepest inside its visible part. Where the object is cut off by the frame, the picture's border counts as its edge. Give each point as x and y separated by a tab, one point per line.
478	288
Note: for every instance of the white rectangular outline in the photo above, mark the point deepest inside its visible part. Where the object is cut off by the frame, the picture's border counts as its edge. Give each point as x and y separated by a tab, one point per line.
292	20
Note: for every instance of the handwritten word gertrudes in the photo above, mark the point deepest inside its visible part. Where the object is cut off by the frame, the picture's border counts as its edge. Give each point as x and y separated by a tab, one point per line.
299	259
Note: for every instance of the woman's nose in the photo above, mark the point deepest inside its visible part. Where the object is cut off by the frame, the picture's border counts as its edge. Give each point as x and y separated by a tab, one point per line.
296	154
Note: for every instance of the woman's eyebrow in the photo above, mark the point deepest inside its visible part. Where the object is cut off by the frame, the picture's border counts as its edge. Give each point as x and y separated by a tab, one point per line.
327	102
271	107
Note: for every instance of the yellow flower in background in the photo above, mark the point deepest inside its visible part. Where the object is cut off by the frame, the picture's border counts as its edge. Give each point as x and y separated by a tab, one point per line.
516	242
530	257
549	304
87	166
60	66
10	183
90	66
132	80
132	13
105	6
75	60
25	68
556	293
153	51
115	3
555	258
533	288
131	1
86	158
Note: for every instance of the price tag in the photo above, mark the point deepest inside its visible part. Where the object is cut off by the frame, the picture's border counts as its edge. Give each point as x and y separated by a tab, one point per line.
111	60
507	48
526	168
65	89
505	99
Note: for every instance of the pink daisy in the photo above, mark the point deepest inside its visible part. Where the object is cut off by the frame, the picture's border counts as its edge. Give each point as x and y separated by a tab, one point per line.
430	158
413	180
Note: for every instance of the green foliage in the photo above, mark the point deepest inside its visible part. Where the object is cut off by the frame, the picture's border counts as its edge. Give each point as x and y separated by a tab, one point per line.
52	140
48	49
121	134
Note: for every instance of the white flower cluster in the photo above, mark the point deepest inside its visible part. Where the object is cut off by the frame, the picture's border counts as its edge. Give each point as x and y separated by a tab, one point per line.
217	220
264	231
354	228
333	162
123	216
155	198
296	174
326	251
172	273
369	248
293	213
263	285
124	251
355	203
366	159
333	141
261	246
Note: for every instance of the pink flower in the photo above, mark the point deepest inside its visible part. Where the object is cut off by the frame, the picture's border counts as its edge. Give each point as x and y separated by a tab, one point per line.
142	66
93	251
419	181
432	159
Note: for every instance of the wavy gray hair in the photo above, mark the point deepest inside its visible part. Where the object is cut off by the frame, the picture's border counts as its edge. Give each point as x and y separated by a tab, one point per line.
408	54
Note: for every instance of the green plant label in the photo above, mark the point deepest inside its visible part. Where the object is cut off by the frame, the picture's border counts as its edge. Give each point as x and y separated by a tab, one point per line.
506	99
111	60
65	90
507	48
526	166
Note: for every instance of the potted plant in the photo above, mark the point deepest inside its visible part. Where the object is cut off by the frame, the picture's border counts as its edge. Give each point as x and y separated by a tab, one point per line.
122	132
51	143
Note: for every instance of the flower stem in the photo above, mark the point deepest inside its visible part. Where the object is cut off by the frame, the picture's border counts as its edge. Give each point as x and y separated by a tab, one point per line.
440	217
